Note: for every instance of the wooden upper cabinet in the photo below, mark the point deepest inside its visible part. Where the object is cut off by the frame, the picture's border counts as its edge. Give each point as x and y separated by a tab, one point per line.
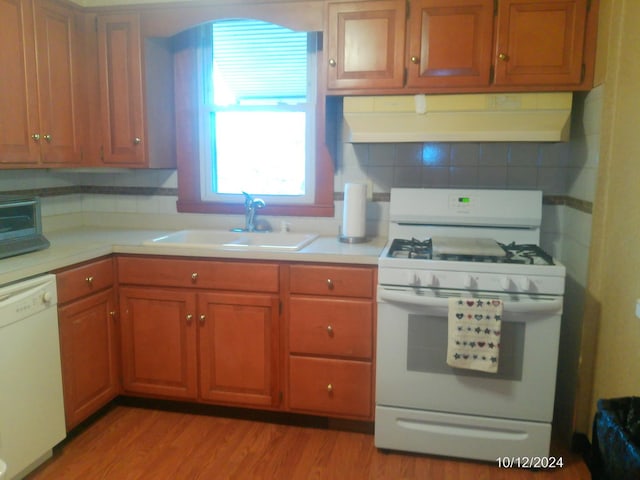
450	43
540	42
39	96
61	133
365	44
121	93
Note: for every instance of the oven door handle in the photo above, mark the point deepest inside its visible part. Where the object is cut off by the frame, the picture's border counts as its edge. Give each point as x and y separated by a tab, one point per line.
531	306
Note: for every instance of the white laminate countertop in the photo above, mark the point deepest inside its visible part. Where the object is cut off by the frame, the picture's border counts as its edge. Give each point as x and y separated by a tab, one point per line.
69	247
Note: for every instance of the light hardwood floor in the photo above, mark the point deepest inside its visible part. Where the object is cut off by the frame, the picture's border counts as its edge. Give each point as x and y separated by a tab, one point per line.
130	442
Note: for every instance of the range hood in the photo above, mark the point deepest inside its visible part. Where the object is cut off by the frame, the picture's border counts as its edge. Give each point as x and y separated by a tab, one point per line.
509	117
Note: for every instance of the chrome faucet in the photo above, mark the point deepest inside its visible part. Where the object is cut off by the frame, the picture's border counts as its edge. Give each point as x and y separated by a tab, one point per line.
251	205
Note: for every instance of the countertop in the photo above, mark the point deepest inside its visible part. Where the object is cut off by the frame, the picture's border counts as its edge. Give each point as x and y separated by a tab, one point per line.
72	246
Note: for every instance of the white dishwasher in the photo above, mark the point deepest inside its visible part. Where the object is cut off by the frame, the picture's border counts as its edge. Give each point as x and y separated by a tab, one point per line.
31	403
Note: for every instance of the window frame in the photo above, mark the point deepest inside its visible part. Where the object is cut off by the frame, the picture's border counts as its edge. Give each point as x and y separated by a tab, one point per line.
188	140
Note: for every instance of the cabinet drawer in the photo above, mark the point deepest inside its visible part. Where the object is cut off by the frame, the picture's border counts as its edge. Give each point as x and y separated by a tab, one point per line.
328	386
327	326
82	280
219	275
325	280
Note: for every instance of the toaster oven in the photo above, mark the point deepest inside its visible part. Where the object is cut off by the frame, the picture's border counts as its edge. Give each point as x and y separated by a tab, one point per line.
20	225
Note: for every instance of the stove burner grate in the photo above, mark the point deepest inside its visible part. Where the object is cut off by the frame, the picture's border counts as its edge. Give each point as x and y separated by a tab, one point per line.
526	254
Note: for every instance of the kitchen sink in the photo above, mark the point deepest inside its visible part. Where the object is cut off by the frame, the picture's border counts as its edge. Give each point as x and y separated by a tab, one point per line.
222	239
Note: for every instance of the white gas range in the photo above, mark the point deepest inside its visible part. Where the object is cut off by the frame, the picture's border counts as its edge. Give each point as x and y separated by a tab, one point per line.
448	247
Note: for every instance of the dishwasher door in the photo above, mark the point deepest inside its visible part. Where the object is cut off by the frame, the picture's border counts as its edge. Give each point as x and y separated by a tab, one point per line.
31	402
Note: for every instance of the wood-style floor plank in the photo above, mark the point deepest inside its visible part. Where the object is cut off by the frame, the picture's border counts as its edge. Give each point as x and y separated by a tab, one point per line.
128	442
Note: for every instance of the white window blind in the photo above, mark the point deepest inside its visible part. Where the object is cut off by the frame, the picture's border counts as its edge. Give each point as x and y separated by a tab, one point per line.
256	62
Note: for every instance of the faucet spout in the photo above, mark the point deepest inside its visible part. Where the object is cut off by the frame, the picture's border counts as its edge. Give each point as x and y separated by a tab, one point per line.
251	205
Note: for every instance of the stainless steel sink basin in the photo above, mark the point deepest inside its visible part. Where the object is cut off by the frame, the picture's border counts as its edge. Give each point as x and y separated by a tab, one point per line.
222	239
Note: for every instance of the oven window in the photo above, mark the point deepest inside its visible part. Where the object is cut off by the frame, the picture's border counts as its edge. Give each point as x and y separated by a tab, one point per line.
427	349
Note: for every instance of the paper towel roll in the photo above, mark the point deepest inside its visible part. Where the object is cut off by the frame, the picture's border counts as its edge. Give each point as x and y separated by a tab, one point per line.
354	212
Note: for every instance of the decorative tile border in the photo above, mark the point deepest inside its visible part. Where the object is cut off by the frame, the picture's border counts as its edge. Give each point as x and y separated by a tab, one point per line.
382	197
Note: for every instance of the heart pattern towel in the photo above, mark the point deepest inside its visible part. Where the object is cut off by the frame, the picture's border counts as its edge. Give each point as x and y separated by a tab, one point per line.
474	333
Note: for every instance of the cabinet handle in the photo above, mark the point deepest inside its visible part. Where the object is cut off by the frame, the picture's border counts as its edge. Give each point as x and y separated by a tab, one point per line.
47	138
36	137
332	62
504	57
330	284
329	388
89	280
330	330
194	277
202	319
415	59
189	317
137	141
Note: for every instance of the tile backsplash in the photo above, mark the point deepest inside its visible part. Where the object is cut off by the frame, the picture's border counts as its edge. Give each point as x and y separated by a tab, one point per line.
477	165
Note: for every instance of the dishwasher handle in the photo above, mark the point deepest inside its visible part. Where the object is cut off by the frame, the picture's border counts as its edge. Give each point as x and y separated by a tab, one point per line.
548	305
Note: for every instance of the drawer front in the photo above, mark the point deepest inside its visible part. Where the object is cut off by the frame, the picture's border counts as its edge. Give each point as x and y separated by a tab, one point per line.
83	280
238	276
327	386
325	280
327	326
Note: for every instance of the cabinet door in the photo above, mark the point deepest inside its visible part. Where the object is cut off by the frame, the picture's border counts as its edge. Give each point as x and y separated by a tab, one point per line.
540	42
88	349
158	338
121	100
238	340
60	137
450	43
18	89
365	44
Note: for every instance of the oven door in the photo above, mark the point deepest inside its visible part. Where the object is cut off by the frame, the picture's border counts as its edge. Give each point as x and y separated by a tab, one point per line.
412	349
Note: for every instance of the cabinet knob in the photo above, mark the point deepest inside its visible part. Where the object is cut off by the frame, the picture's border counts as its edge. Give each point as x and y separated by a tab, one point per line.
415	59
330	284
112	314
137	141
194	277
89	280
189	317
330	330
202	319
47	138
504	57
332	62
36	137
330	388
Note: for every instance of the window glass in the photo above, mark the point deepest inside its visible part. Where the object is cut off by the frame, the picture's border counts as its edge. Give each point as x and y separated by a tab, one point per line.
258	113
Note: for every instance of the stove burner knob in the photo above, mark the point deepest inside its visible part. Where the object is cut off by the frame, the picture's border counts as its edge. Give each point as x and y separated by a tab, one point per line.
505	283
525	283
467	281
414	279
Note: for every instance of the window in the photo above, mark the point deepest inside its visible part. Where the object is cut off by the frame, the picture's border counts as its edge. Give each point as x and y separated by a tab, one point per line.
257	121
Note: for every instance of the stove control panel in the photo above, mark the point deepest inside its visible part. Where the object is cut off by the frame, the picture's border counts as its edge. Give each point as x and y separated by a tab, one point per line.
472	281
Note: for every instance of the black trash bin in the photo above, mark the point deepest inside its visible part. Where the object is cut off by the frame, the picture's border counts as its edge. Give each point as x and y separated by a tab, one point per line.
615	441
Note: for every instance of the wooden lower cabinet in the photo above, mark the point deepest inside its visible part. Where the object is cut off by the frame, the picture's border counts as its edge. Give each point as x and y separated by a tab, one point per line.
238	343
89	346
330	332
158	335
330	386
192	343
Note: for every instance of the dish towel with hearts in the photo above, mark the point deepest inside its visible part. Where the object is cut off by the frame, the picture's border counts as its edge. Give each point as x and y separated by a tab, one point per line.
474	333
